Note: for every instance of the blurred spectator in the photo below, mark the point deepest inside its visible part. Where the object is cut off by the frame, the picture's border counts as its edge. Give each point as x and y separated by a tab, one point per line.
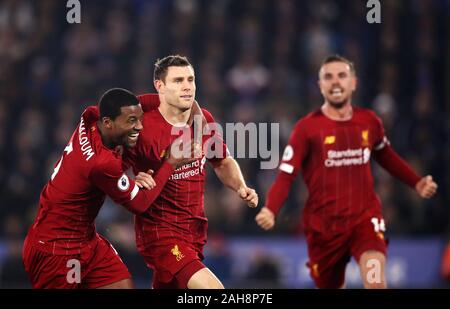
264	272
12	272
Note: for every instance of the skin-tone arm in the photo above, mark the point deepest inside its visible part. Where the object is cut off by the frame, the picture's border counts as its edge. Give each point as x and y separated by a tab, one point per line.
230	175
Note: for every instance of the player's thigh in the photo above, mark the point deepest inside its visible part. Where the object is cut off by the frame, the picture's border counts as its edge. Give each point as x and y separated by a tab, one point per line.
204	279
369	247
105	268
367	236
48	271
328	258
173	262
372	266
329	275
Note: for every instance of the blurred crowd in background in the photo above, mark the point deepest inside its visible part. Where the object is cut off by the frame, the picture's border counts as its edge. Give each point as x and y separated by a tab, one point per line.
255	61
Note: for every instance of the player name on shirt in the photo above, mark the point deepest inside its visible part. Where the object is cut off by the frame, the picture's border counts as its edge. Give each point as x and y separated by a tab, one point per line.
84	141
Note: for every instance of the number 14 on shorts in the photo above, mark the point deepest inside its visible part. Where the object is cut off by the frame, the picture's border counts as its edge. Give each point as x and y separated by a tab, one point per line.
378	225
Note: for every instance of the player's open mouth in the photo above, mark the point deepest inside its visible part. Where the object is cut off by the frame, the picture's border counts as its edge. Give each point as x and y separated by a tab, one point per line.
133	136
336	92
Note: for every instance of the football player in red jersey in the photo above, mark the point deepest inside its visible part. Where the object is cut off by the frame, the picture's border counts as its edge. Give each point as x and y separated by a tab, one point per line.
332	147
172	233
62	248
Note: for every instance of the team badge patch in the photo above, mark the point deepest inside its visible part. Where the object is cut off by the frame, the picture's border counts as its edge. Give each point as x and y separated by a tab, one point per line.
177	253
288	153
123	183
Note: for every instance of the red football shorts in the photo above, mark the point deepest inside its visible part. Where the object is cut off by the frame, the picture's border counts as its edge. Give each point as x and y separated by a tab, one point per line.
98	267
173	262
330	253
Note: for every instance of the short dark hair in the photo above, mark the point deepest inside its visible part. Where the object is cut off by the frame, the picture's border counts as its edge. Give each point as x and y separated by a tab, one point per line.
113	100
339	58
162	65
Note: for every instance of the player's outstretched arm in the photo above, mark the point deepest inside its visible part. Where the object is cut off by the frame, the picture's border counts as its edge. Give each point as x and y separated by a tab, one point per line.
111	179
400	169
230	174
275	199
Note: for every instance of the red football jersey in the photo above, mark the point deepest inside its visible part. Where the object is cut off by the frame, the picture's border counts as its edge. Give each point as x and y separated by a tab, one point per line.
71	200
179	210
334	158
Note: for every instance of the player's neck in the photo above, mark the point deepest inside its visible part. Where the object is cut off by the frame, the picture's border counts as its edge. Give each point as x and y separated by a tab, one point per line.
338	114
107	142
174	115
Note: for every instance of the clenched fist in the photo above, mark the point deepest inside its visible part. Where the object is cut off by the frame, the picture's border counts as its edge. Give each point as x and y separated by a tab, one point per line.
249	195
265	219
426	187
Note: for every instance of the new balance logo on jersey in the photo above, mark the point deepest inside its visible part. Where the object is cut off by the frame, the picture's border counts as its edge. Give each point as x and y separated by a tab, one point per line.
177	253
337	158
329	140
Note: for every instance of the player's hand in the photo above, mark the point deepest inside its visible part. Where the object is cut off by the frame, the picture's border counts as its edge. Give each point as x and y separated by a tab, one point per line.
249	195
180	153
196	116
145	180
426	187
265	219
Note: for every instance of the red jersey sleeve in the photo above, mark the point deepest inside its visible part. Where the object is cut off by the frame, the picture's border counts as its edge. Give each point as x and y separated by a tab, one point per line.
295	151
149	101
380	139
291	164
110	178
386	156
91	114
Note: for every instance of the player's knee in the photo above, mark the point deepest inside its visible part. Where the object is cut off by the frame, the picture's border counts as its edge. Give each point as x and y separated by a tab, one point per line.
204	279
205	283
372	265
216	284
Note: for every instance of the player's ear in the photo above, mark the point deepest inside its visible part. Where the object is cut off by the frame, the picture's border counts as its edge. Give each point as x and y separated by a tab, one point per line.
107	122
319	85
355	83
158	85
